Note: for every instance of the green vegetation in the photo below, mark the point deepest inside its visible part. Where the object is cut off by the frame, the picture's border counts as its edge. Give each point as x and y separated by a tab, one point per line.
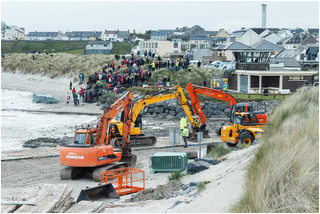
145	36
55	65
51	46
284	174
202	185
176	175
70	47
121	48
218	150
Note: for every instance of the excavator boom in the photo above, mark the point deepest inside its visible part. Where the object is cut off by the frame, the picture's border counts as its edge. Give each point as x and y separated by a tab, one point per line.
136	137
194	90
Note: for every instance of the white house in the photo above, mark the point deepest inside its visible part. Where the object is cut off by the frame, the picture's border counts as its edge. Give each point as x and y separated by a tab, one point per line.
301	41
85	35
161	48
14	33
112	35
250	36
43	36
98	47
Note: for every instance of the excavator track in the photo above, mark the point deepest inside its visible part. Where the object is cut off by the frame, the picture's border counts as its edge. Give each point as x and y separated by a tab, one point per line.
136	141
69	173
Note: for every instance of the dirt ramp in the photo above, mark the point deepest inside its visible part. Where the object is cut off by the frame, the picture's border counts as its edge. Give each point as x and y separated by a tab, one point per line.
164	191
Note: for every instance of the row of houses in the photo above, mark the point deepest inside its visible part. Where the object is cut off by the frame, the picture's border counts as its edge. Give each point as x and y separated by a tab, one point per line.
11	33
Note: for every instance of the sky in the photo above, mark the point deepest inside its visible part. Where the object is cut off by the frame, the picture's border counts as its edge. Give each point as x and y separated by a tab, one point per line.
153	15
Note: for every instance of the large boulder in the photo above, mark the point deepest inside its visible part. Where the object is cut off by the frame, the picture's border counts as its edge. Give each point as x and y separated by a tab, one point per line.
158	109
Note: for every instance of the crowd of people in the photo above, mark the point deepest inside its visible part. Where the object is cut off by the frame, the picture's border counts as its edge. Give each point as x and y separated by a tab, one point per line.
117	77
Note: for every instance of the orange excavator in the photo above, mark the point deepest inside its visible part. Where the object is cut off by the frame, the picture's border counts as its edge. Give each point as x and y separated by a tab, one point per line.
194	90
91	152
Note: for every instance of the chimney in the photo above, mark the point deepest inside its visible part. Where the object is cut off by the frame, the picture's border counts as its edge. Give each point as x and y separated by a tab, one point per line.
264	16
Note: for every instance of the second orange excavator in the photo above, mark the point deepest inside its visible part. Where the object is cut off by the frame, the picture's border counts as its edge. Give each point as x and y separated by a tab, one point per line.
235	106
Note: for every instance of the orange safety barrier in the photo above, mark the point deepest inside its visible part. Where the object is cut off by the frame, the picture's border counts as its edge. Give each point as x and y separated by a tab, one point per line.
124	180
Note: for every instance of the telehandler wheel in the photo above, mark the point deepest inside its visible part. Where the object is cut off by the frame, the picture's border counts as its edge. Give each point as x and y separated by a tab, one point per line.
218	131
245	139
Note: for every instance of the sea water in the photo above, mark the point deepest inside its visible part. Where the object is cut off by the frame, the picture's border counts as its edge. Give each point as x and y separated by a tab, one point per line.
18	125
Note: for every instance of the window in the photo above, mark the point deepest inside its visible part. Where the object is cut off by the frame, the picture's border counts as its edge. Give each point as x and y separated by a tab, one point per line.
152	45
156	45
80	138
175	45
296	77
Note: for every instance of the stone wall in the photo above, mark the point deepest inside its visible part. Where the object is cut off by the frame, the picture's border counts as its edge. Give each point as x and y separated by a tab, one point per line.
172	108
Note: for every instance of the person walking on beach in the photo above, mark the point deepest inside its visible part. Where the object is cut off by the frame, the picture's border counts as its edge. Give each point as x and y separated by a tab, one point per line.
70	85
68	99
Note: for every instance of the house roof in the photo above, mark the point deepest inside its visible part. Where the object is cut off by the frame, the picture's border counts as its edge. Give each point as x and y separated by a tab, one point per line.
288	62
219	39
110	32
168	32
274	30
234	46
297	31
314	31
157	33
203	38
84	33
43	34
298	39
211	33
313	50
289	53
200	34
258	30
238	32
123	34
99	42
283	41
266	45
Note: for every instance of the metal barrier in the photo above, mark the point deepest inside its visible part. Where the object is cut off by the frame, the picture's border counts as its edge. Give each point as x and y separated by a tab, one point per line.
125	180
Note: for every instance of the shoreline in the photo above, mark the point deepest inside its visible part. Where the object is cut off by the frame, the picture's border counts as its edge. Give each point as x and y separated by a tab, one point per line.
17	175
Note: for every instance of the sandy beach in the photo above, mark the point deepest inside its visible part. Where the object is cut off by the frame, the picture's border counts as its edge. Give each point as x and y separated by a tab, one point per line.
225	180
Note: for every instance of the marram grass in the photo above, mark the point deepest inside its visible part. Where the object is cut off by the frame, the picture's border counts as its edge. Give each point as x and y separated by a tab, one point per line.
284	174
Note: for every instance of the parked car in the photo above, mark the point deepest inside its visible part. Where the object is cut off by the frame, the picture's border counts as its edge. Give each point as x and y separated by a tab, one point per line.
217	64
193	62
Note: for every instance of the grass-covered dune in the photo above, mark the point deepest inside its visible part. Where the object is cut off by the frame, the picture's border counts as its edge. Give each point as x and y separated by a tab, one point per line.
284	175
61	64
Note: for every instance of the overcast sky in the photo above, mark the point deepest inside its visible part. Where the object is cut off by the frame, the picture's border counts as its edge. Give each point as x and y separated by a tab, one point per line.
153	15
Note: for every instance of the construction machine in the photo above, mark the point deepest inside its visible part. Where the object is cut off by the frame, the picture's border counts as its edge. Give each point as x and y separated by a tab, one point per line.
235	106
245	129
139	139
91	152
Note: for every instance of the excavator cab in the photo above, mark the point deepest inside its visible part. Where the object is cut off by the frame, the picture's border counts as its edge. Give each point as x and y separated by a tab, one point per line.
86	137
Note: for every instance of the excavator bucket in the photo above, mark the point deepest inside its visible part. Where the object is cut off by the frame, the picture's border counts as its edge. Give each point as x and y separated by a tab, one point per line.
206	133
130	159
193	136
104	191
